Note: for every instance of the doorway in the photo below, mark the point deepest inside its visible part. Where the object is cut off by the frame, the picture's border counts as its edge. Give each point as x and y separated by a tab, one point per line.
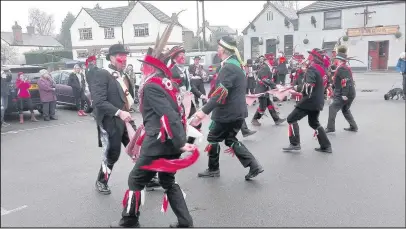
378	55
271	46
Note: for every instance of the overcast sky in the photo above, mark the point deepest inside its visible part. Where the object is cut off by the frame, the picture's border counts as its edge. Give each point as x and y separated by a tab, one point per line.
235	14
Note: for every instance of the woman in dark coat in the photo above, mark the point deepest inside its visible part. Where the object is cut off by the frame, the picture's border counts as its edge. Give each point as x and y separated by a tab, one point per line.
250	77
78	83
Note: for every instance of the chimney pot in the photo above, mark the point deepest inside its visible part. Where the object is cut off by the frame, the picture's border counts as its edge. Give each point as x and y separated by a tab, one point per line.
30	30
17	33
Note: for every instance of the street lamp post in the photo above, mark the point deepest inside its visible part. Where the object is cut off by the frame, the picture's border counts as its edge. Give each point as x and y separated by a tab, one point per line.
204	26
198	26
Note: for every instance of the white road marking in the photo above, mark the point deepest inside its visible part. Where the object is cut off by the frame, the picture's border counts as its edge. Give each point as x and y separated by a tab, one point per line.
6	212
42	127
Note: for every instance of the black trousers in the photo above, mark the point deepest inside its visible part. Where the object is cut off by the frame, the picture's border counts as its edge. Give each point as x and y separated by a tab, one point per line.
250	85
112	133
80	99
281	79
227	132
264	104
21	102
139	178
199	84
344	106
313	119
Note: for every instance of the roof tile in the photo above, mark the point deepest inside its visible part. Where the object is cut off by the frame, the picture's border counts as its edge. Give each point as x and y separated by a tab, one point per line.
32	40
328	5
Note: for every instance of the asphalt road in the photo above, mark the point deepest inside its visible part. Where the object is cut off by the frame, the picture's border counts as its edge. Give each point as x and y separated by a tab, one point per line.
48	172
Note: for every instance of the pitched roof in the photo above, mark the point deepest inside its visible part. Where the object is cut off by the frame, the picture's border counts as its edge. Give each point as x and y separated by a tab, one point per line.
114	17
224	29
329	5
288	13
31	40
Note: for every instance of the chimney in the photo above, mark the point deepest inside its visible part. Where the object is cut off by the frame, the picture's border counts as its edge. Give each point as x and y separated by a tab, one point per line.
17	33
131	3
30	30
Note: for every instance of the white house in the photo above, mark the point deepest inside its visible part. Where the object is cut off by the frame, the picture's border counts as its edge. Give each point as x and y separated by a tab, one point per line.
14	44
373	39
214	32
272	30
136	26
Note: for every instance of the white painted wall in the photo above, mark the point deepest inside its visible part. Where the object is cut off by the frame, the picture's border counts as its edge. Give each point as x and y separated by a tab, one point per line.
84	20
390	14
267	30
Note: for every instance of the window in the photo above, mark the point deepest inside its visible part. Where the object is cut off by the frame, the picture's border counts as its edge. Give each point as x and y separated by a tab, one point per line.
329	46
288	47
82	53
108	33
65	78
269	16
141	30
332	20
86	34
56	76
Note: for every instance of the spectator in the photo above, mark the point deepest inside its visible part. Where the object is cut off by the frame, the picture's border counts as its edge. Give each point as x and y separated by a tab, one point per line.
47	94
24	96
78	83
401	67
5	92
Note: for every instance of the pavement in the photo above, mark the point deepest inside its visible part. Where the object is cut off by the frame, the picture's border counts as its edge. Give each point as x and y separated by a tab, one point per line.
48	170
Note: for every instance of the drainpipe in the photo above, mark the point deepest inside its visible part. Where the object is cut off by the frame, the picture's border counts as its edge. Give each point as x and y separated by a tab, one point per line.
122	33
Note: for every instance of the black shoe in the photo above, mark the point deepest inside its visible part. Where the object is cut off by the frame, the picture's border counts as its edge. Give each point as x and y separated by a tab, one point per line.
327	130
351	129
324	149
53	118
125	223
176	225
47	119
249	133
292	148
254	171
280	121
208	173
103	188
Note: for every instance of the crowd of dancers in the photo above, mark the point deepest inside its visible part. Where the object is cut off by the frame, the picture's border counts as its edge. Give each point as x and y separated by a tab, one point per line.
167	121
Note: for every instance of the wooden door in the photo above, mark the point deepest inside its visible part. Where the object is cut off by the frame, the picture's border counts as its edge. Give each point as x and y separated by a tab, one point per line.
373	55
271	46
383	55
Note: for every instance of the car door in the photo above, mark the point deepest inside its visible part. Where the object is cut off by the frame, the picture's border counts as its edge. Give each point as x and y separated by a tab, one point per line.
66	91
56	76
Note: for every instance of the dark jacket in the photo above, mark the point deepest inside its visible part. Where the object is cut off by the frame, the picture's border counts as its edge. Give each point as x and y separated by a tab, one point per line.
77	87
343	83
156	103
282	69
228	99
107	95
193	69
312	90
90	74
5	85
180	76
264	80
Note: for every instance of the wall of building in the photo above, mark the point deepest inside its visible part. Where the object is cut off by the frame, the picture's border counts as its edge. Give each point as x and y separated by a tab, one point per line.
267	30
357	46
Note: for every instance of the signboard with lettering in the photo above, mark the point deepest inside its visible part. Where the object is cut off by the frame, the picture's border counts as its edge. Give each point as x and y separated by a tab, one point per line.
372	31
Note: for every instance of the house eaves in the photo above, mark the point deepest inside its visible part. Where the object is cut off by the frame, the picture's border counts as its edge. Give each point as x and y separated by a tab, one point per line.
339	5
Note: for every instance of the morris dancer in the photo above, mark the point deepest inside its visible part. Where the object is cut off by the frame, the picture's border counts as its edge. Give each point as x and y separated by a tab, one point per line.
244	128
112	97
298	80
165	126
250	77
310	105
263	85
229	111
196	70
344	92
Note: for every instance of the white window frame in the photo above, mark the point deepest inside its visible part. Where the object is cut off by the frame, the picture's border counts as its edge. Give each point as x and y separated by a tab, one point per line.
109	33
327	18
86	34
141	30
269	16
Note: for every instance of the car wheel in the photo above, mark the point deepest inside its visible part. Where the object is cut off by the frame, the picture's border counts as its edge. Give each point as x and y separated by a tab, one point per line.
87	108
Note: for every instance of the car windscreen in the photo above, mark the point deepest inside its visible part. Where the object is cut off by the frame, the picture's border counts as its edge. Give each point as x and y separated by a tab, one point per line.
33	77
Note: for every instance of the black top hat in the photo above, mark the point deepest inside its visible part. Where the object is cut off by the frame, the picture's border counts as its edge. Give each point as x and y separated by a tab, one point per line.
197	57
116	49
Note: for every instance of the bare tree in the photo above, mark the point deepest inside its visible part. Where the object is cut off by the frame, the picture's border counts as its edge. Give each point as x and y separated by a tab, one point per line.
288	4
43	22
8	54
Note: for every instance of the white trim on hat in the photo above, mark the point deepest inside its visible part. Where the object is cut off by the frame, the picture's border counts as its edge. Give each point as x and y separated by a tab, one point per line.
234	48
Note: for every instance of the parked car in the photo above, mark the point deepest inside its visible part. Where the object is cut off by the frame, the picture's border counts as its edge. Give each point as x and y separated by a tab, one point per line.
64	93
210	61
30	71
